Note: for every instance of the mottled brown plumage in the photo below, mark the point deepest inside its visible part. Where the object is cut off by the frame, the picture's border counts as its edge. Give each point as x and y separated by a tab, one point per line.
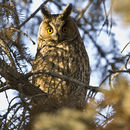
61	50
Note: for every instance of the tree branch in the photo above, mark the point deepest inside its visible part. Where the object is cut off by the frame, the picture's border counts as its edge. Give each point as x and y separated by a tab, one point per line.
125	47
80	15
32	15
64	77
18	81
5	88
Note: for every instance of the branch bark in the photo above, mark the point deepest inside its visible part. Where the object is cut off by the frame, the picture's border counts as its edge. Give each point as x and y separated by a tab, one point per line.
64	77
17	80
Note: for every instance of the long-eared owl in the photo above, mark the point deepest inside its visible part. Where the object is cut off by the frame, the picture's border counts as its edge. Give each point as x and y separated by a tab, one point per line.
62	51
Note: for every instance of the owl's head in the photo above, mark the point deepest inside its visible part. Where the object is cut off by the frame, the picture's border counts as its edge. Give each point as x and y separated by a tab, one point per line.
58	27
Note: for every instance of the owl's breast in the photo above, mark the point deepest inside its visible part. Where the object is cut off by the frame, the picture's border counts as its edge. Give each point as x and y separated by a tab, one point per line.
64	59
60	58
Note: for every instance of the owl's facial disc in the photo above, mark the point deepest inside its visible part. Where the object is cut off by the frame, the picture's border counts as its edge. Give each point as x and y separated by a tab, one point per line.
58	31
61	30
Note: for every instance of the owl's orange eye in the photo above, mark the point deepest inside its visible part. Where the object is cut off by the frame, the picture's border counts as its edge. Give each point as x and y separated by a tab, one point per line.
64	29
50	30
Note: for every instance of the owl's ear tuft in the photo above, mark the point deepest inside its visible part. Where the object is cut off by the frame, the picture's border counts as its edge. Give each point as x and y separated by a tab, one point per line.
67	11
45	12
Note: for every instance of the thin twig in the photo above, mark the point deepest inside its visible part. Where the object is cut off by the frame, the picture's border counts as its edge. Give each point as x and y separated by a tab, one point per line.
56	87
106	22
104	79
127	61
5	48
18	108
125	46
33	14
5	88
116	72
84	10
15	29
120	71
6	95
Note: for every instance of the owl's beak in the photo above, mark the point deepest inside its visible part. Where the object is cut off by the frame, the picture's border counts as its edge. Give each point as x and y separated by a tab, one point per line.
56	38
